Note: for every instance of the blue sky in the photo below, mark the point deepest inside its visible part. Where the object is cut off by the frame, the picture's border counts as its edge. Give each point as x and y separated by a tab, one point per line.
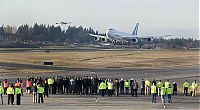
156	17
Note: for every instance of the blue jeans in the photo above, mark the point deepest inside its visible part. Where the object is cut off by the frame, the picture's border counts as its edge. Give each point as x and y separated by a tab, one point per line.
169	98
153	99
1	96
163	98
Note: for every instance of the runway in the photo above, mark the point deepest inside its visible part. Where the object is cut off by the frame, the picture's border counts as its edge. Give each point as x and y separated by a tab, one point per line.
82	102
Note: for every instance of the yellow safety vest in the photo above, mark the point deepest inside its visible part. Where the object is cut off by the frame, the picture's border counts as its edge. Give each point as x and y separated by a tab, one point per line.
186	84
169	90
159	85
102	86
194	85
147	83
127	84
18	91
153	89
10	90
1	90
167	84
163	91
110	85
50	81
40	90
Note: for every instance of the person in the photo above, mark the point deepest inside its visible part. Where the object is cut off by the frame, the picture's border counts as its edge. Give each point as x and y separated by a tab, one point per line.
78	85
46	89
190	90
102	88
72	85
34	92
110	88
169	94
127	85
163	93
66	85
60	85
1	92
116	87
50	83
134	88
5	86
28	85
142	87
147	85
121	84
186	85
174	88
96	80
153	93
159	85
131	81
194	88
21	85
10	93
18	93
40	91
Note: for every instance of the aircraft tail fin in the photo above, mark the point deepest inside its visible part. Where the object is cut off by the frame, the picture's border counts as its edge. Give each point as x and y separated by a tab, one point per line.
135	29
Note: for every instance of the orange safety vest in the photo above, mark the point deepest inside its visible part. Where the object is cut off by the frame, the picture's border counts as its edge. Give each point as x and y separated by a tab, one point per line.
17	84
5	84
21	84
28	83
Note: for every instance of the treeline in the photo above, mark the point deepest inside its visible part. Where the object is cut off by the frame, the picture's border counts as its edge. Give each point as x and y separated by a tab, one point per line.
40	35
45	33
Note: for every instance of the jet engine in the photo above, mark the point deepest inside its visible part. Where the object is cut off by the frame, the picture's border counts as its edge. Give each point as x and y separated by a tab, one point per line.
103	40
150	39
135	40
96	38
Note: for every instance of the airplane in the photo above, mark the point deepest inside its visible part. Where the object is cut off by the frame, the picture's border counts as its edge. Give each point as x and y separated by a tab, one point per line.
115	36
63	23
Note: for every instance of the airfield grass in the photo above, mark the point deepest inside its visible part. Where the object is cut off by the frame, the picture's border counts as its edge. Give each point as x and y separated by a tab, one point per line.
146	59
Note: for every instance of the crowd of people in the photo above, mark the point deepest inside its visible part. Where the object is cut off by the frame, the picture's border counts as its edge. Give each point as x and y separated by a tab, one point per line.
41	87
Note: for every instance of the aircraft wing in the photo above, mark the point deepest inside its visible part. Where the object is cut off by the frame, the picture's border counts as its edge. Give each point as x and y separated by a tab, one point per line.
93	35
97	37
154	36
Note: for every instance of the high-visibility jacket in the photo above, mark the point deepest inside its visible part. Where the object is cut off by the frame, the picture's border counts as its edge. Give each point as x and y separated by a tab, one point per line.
127	84
194	85
167	84
18	90
147	83
5	84
1	89
28	83
21	85
169	90
10	90
50	81
153	89
102	86
186	84
163	91
159	84
110	85
40	89
190	88
17	84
